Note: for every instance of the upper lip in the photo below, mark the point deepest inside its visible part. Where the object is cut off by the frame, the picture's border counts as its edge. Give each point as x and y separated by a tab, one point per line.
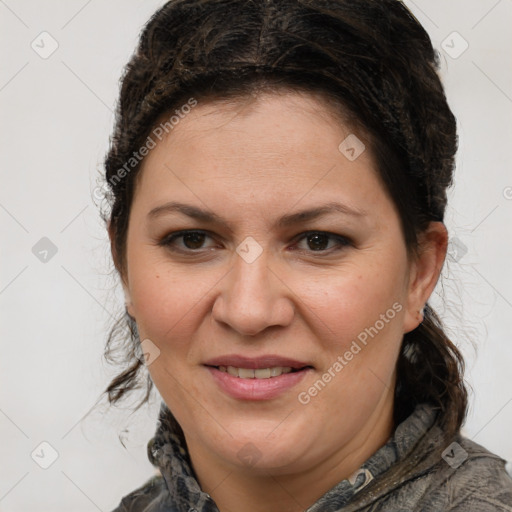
265	361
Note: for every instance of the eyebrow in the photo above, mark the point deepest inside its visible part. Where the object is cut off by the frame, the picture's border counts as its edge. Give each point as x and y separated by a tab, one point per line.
291	219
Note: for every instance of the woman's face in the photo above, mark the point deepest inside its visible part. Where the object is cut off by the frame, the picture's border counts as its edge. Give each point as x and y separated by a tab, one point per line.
260	287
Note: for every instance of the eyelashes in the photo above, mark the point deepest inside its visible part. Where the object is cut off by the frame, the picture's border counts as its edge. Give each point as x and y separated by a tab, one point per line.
192	241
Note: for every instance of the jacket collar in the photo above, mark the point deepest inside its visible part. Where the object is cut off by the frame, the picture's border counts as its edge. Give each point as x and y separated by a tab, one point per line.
168	451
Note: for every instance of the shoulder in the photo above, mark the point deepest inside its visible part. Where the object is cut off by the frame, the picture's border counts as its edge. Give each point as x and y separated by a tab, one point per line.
478	479
463	477
469	478
149	497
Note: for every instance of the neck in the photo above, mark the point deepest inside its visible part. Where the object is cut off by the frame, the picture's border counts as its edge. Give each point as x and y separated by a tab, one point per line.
236	490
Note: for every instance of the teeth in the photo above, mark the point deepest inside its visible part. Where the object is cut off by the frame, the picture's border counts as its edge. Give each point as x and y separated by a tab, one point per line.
245	373
275	372
260	373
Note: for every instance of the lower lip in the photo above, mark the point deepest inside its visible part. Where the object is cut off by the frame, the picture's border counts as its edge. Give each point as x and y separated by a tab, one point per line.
256	389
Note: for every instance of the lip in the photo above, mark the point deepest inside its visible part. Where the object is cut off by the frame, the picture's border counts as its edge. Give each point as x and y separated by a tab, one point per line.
256	389
255	363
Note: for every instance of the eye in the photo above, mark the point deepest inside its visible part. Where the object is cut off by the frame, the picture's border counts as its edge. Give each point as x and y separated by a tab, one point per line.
318	241
192	240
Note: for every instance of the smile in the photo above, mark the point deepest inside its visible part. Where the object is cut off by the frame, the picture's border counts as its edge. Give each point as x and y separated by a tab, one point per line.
261	373
256	384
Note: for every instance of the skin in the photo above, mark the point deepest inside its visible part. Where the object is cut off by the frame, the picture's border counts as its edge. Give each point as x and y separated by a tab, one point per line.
251	163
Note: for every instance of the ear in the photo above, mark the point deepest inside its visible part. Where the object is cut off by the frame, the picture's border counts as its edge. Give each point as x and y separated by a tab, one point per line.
424	272
111	236
113	250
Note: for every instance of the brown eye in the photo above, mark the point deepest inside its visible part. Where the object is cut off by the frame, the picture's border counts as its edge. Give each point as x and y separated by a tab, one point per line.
191	241
318	241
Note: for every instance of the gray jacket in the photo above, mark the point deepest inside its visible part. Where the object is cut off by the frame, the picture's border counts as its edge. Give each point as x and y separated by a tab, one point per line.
413	472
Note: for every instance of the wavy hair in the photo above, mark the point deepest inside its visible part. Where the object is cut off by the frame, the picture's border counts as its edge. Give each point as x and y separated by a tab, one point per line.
372	63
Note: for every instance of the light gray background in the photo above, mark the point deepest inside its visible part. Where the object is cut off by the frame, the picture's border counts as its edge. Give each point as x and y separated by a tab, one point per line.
56	119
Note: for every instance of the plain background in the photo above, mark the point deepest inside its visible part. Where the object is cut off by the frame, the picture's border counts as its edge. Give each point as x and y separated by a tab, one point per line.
57	116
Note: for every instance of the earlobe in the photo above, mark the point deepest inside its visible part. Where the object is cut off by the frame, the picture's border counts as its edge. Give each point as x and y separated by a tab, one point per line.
126	291
111	237
128	301
425	272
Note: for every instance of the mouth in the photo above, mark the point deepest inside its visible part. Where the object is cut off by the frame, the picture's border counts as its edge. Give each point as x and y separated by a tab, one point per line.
261	378
258	373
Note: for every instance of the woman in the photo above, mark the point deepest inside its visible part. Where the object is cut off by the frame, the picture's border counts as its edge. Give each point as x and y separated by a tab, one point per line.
278	174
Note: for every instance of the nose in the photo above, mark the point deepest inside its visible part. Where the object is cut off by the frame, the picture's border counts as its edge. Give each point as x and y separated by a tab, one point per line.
253	297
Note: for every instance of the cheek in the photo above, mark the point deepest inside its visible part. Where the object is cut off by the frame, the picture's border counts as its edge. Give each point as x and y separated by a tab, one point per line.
158	295
347	303
169	301
163	308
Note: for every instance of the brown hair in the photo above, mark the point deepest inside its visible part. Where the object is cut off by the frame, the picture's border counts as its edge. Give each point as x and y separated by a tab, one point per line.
374	65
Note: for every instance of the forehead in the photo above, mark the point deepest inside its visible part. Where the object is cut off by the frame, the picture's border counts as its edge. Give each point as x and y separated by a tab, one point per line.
288	147
298	118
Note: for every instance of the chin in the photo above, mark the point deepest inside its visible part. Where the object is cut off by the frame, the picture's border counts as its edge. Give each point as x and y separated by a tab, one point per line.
255	450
